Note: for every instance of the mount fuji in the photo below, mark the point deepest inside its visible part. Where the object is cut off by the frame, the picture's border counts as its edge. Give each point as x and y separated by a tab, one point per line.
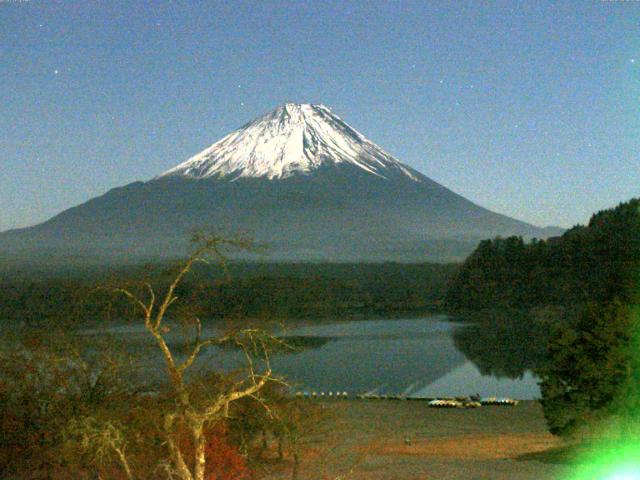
298	179
293	139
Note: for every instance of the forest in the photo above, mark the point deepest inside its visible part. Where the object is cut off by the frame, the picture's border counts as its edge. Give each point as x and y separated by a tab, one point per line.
598	262
276	291
580	292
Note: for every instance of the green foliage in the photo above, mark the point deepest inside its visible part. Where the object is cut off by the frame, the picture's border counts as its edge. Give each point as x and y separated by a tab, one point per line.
260	291
589	373
594	369
593	263
591	272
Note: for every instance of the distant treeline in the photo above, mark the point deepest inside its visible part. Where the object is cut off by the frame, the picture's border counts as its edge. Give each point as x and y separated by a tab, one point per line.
594	263
270	291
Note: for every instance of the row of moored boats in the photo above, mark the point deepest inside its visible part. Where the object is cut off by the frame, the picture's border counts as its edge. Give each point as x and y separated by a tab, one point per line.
471	402
457	402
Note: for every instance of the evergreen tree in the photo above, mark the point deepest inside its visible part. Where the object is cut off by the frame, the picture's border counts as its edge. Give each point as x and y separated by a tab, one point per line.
593	263
593	370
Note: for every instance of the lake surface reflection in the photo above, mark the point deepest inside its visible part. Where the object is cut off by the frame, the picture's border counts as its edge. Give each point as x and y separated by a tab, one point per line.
418	357
413	357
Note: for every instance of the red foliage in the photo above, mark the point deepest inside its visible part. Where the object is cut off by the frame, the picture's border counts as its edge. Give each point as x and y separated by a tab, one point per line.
224	462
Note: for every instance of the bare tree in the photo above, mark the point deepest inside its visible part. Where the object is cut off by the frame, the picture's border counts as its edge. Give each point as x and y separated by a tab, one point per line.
196	413
103	440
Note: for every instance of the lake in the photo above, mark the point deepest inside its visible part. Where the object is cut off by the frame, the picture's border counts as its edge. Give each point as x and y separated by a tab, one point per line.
418	357
412	357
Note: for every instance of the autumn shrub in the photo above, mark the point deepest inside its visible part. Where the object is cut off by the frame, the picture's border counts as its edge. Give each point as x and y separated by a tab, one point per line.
224	461
32	413
46	381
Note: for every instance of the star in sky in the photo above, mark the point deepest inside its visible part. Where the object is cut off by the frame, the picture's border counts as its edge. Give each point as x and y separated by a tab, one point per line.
502	89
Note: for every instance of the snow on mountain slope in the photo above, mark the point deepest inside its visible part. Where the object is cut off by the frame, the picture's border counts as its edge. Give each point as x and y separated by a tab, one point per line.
309	186
293	139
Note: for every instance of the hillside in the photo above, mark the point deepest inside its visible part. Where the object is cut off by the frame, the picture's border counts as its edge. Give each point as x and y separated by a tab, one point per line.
300	181
597	262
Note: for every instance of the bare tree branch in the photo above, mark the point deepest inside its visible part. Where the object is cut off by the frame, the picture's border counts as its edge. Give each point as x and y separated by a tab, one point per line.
191	413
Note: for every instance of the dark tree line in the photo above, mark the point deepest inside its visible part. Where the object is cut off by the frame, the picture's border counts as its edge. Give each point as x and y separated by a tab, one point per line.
496	343
592	370
598	263
279	291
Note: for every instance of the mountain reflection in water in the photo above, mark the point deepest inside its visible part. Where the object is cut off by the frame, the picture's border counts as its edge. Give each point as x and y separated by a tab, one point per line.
419	357
504	345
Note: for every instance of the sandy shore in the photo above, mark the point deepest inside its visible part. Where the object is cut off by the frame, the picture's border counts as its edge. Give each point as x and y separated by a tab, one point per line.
371	439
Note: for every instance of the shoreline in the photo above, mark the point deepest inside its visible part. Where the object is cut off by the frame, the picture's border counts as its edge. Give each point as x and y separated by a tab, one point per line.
396	439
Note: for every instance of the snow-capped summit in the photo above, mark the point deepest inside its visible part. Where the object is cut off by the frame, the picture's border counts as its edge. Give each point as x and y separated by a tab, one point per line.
299	180
292	139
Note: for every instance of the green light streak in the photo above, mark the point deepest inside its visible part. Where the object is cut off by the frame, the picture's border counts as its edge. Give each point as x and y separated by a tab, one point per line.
612	461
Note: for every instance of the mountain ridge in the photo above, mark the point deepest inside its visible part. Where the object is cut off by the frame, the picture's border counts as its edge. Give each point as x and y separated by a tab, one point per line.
335	196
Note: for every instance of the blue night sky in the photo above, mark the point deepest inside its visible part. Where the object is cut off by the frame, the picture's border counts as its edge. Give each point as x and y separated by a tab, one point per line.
528	108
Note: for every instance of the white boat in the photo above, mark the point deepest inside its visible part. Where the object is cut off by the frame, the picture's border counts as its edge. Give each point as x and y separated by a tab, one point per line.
445	403
499	401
